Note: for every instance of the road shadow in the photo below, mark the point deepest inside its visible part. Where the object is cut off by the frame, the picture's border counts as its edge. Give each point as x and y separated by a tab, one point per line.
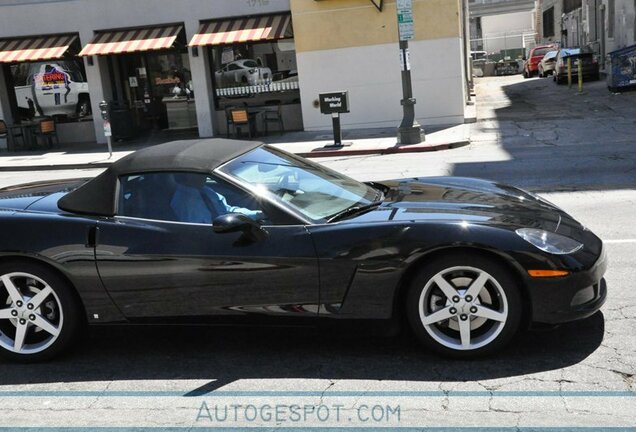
554	137
224	355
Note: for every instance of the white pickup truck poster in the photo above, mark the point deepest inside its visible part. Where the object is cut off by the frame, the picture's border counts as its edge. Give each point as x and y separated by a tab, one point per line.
52	89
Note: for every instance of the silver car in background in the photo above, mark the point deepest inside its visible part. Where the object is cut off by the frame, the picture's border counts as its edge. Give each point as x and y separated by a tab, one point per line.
244	71
548	63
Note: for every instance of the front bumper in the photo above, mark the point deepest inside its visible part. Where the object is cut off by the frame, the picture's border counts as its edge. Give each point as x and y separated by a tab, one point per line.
578	296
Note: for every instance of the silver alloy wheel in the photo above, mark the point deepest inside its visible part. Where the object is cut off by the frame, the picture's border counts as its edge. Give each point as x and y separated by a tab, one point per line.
463	308
33	320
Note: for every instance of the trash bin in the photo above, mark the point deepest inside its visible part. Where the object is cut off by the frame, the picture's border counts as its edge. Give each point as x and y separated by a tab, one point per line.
489	68
622	72
122	121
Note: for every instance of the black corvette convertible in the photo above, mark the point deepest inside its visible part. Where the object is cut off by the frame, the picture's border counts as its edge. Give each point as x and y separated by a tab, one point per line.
214	231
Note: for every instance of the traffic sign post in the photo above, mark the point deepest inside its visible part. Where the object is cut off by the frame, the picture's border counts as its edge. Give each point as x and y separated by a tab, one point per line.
409	132
334	104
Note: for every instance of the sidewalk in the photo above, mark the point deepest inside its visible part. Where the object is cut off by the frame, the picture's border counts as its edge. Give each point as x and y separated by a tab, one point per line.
306	144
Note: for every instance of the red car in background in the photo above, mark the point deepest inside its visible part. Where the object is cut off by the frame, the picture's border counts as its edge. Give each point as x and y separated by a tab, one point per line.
531	65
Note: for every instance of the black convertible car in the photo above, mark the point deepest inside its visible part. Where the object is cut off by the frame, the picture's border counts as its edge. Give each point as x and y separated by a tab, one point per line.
213	231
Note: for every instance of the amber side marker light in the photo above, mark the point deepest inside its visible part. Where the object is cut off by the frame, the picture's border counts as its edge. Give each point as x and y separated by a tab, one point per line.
548	273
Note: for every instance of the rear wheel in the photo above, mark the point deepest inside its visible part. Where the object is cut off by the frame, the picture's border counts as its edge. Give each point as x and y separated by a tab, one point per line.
464	306
39	313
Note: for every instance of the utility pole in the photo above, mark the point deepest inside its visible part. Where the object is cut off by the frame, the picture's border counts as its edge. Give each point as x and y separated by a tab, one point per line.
409	131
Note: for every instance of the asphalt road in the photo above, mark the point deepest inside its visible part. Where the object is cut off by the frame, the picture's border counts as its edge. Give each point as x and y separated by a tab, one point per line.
580	374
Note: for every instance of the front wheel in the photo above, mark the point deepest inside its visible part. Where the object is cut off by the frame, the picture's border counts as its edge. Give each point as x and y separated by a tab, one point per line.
39	313
464	306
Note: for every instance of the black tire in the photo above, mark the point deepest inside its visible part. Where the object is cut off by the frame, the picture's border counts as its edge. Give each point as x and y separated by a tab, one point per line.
500	294
61	309
525	74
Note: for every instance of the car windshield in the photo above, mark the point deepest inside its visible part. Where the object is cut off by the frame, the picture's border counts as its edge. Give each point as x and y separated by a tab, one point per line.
250	64
316	192
540	52
550	55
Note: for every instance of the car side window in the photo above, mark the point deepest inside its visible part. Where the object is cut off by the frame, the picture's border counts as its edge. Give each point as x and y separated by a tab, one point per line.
183	197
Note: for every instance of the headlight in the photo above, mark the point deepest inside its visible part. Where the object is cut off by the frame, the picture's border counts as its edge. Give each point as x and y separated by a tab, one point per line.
549	242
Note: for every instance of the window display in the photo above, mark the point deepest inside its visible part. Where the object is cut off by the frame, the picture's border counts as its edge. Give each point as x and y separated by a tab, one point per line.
258	71
54	88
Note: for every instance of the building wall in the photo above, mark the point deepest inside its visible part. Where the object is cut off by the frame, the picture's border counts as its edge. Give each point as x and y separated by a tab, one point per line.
20	18
558	11
589	25
350	45
501	32
344	44
625	20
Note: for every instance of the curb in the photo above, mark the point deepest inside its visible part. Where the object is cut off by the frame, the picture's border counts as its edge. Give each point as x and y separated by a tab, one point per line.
54	167
347	151
318	153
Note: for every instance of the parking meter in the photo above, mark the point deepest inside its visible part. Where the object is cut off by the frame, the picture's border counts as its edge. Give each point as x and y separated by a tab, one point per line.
103	107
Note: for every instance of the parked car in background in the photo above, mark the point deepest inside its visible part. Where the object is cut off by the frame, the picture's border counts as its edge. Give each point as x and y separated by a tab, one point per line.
547	64
52	89
536	54
589	63
243	71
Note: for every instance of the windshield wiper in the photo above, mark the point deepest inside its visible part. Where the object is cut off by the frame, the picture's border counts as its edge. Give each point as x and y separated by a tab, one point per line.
353	211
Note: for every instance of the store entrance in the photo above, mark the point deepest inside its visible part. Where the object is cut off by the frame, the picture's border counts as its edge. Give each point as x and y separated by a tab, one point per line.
149	89
152	93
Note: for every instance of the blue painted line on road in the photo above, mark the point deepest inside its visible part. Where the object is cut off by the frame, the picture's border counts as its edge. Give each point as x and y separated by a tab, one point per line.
240	393
334	429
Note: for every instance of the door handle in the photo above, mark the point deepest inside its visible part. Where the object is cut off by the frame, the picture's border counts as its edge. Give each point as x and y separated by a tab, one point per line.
92	237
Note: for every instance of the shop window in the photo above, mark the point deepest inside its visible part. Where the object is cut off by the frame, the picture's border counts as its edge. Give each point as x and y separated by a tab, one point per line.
255	73
548	22
56	88
171	75
152	90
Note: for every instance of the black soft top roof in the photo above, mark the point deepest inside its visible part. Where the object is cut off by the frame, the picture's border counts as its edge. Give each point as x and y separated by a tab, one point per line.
98	196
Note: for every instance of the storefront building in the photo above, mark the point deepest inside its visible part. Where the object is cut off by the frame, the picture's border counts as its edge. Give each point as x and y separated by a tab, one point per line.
181	66
352	45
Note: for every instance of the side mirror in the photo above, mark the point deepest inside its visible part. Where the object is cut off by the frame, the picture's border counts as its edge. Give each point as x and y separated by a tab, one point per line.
524	58
237	222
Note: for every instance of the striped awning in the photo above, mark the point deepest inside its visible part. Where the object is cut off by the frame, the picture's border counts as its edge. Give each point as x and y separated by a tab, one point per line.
261	28
35	48
135	40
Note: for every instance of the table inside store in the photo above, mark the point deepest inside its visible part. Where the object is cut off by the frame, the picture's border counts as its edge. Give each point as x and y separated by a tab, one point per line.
27	134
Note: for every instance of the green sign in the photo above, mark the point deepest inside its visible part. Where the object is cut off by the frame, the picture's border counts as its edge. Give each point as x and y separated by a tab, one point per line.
405	19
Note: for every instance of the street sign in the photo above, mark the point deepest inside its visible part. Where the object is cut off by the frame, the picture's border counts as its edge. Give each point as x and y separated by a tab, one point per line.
335	102
405	19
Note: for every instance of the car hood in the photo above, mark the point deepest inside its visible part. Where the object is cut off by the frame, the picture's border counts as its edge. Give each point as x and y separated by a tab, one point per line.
456	199
37	196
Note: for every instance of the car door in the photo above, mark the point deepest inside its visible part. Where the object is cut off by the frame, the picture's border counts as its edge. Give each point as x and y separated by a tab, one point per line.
155	265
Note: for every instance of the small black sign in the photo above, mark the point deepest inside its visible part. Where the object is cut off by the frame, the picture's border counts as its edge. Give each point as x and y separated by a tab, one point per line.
336	102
